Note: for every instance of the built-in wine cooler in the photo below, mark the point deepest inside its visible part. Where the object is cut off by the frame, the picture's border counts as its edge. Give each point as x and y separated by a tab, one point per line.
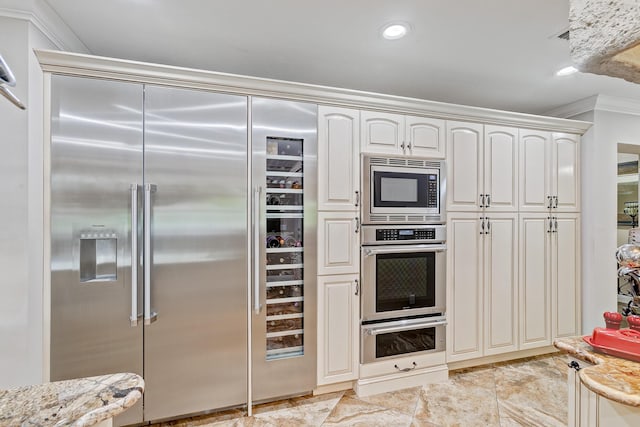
283	320
285	247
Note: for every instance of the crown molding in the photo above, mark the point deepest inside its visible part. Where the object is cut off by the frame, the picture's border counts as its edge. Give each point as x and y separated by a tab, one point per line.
133	71
46	20
597	103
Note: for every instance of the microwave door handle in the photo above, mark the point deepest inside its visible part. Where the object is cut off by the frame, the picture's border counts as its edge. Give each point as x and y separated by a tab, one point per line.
391	329
404	249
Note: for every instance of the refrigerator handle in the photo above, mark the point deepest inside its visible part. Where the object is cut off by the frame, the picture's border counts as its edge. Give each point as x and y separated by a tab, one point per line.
134	255
256	249
149	316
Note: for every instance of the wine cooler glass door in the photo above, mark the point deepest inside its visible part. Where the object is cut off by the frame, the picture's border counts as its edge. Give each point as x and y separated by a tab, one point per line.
283	306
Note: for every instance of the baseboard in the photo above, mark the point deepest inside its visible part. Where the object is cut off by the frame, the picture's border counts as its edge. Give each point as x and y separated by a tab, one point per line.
332	388
501	357
387	383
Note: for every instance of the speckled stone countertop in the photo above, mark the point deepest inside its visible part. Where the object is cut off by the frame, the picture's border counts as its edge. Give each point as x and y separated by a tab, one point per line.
78	403
612	377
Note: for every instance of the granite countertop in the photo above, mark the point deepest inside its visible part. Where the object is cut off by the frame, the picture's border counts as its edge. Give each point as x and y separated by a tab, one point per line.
80	402
612	377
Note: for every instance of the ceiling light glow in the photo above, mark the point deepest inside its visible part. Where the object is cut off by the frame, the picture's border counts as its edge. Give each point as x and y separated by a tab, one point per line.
566	71
395	31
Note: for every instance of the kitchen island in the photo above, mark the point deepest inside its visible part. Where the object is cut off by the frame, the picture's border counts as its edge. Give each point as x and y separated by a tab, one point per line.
79	403
603	390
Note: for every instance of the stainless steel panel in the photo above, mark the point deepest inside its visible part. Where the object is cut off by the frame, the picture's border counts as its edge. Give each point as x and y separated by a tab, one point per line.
368	261
96	155
196	156
287	376
369	333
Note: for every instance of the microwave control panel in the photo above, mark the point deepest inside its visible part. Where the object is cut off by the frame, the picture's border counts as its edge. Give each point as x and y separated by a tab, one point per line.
406	234
432	191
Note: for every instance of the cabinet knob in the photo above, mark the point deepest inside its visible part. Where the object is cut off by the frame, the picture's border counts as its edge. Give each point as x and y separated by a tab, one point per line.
357	198
357	225
574	365
357	287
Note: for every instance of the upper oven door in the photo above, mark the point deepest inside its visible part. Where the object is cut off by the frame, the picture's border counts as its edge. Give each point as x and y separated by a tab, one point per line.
400	281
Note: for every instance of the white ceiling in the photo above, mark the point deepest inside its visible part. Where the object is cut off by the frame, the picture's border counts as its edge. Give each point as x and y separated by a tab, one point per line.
491	53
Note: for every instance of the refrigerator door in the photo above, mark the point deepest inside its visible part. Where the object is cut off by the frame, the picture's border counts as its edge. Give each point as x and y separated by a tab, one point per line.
96	157
284	145
195	339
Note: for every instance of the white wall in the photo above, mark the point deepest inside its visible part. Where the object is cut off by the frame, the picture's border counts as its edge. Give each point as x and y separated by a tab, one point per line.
599	227
24	25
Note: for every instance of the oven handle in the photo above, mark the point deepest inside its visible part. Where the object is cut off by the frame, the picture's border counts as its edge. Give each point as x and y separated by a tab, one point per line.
372	330
395	249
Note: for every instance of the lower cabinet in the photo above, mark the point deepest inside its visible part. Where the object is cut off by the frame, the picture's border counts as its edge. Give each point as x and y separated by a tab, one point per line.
513	281
338	328
549	277
482	287
588	409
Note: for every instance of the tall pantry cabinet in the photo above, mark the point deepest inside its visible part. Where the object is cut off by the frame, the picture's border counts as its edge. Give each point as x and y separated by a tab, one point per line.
338	244
513	239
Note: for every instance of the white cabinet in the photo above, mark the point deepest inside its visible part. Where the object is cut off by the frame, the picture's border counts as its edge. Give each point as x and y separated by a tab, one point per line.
535	280
399	135
550	175
588	409
565	275
338	159
338	328
550	277
338	243
482	167
483	283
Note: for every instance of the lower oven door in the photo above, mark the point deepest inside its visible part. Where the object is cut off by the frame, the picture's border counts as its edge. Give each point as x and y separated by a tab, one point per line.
403	280
382	341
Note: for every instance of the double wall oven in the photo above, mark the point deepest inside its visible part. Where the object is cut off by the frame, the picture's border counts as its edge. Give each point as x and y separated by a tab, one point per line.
403	258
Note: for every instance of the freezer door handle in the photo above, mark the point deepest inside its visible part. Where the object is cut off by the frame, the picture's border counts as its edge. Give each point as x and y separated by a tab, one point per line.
134	256
149	316
256	249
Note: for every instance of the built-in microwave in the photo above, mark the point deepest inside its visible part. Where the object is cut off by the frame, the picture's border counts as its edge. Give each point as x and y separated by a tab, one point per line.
403	190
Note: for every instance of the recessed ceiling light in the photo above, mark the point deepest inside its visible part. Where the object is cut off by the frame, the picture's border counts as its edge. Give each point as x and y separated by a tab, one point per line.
566	71
395	31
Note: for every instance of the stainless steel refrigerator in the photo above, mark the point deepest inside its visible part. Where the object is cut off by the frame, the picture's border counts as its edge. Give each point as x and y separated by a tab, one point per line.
162	251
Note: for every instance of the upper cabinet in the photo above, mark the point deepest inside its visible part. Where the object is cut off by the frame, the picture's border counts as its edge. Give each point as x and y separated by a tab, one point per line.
338	159
549	164
400	135
482	167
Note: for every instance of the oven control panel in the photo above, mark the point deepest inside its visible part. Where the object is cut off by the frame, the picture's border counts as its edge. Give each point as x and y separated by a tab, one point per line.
406	234
403	235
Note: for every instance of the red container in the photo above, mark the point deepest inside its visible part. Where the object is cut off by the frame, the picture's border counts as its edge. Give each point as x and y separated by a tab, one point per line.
623	343
634	322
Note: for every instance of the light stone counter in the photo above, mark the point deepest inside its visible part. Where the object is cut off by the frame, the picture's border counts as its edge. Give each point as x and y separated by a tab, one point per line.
78	403
612	377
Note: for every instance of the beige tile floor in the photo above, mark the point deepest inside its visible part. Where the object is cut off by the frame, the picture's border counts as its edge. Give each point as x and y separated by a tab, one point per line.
526	392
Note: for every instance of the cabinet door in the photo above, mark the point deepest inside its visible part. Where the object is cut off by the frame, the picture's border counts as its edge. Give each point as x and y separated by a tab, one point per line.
501	168
565	174
465	169
500	283
535	170
382	132
338	328
338	243
338	159
535	286
424	137
565	275
464	286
